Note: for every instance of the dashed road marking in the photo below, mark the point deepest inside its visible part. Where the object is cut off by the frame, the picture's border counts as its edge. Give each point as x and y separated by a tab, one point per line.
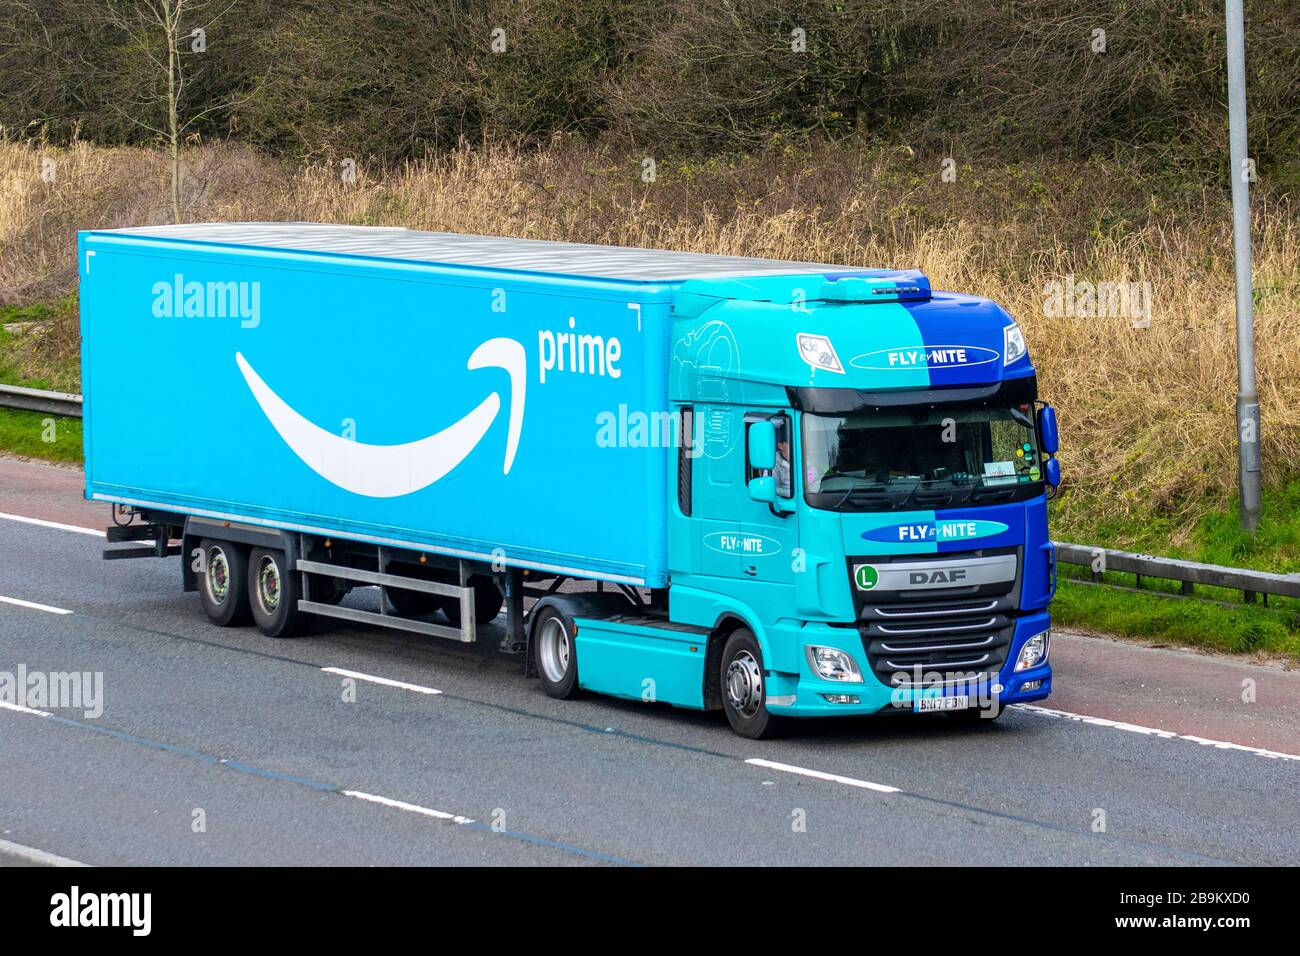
32	605
822	775
240	766
1154	732
39	857
384	681
20	709
408	807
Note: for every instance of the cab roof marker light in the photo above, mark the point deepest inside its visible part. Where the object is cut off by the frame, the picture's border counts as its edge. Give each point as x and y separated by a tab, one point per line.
818	353
1013	344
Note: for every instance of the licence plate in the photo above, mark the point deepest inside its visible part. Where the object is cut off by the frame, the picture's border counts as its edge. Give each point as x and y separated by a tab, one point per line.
928	705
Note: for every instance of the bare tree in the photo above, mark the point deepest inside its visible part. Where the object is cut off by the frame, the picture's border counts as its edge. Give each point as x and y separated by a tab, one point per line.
164	39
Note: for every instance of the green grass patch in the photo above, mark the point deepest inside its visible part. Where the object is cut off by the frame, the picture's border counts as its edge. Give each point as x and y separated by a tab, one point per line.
38	435
38	350
1160	616
1216	538
39	346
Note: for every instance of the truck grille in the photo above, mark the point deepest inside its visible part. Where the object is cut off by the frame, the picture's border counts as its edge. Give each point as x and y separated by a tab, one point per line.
946	641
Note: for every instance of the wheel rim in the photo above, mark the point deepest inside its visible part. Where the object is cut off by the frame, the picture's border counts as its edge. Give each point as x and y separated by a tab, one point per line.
218	575
745	684
268	584
554	649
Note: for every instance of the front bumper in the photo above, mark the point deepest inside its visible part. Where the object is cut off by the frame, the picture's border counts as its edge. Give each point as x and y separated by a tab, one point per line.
804	694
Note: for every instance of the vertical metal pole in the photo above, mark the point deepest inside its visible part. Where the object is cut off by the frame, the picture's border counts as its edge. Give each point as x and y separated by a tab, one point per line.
1248	457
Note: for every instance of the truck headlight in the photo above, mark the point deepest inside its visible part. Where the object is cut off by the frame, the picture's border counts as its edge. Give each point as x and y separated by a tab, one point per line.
1013	344
831	663
1034	651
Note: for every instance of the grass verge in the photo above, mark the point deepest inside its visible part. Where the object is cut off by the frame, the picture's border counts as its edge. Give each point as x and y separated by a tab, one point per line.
1157	614
38	435
1214	618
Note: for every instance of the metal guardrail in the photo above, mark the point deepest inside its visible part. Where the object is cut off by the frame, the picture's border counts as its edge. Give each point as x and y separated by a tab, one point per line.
37	400
1189	573
1100	560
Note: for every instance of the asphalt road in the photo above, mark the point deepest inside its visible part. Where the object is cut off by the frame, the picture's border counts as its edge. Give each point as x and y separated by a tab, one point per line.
220	746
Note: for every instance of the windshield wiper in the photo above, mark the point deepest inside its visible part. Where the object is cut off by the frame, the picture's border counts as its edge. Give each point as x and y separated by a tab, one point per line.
875	487
1023	417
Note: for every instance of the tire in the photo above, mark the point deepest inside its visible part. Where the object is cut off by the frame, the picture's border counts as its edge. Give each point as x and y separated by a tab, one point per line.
744	688
488	601
418	603
412	603
555	654
273	595
332	590
223	583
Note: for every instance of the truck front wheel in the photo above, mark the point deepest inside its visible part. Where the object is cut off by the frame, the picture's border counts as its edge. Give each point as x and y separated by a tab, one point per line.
744	688
273	595
555	654
223	588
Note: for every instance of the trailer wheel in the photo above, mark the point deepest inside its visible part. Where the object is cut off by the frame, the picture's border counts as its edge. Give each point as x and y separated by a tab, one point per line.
223	587
555	654
488	601
412	603
273	595
418	603
744	688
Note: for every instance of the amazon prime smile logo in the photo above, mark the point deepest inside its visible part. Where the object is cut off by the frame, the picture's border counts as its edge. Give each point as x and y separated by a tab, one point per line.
182	299
389	471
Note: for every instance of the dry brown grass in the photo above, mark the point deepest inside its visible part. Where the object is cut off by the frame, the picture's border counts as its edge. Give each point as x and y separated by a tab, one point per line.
1147	414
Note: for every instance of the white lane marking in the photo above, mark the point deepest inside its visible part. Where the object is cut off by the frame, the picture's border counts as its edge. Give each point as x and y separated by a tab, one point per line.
57	525
33	855
33	605
408	807
1155	732
385	681
20	709
821	775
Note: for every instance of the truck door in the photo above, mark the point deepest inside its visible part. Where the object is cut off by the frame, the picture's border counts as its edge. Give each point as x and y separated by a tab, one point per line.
718	474
769	534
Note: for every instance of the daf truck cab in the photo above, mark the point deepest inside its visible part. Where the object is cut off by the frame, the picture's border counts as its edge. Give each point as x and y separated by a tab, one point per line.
866	500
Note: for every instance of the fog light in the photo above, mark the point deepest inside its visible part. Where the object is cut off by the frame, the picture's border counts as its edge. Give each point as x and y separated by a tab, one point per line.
830	663
841	698
1034	651
1032	684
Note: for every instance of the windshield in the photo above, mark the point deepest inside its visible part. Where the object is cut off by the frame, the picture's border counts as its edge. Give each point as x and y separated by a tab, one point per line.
884	459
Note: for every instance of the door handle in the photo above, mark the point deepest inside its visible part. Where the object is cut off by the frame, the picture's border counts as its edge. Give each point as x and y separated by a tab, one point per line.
751	570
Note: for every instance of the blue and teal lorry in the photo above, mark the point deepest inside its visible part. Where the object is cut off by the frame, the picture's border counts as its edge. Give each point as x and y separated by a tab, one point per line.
776	489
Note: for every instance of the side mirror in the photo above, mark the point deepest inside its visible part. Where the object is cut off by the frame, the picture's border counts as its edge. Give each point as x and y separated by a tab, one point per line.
1047	432
762	446
762	490
1052	472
